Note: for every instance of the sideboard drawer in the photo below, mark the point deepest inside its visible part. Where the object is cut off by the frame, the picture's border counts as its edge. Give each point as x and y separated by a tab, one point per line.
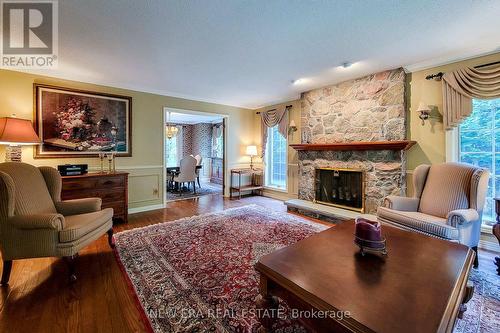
78	194
118	208
76	184
111	188
110	182
111	195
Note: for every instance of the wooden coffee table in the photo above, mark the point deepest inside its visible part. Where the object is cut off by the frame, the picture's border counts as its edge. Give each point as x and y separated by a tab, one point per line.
420	286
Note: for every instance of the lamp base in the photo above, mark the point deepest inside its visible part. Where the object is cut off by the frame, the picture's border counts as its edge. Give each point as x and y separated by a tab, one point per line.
13	154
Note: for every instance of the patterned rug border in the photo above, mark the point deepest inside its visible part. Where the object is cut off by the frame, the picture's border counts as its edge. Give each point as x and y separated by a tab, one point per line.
187	218
142	312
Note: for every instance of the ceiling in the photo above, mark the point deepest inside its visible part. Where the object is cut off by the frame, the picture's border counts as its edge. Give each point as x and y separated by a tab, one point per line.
246	53
191	119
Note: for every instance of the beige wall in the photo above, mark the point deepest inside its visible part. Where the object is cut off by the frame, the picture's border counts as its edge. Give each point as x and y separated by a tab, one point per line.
292	154
431	145
145	166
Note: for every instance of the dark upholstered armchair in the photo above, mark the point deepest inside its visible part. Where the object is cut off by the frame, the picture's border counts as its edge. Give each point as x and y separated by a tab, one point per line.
447	203
34	222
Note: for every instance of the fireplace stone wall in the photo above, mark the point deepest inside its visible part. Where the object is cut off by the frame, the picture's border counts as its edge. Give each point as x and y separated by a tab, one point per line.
371	108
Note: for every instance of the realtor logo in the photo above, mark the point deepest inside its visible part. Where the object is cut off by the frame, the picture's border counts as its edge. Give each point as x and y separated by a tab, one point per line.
29	34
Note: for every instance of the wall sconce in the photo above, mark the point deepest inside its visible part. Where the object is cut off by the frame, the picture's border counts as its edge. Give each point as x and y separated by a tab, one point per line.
292	127
424	112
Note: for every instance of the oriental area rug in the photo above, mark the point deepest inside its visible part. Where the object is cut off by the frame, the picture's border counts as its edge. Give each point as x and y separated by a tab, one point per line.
206	189
196	274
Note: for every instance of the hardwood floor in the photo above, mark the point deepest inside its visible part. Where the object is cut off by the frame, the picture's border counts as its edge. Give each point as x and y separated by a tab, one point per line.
39	299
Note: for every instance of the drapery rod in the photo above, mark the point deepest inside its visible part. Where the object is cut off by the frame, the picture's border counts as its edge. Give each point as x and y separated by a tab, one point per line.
439	76
286	107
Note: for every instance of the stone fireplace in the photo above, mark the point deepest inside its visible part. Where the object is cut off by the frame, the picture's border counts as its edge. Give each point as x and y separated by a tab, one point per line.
368	110
343	188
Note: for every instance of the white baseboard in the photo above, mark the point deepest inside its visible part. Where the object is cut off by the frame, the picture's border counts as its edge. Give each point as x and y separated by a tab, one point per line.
279	195
145	208
490	246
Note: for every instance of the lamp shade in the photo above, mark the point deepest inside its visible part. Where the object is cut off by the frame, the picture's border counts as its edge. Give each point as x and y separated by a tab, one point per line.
252	150
423	107
15	131
292	123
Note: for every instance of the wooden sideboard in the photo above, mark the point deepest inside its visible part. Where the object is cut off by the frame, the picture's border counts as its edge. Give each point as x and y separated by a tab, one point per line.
112	188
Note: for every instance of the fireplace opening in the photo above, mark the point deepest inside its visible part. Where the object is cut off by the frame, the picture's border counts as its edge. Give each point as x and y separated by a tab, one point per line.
342	188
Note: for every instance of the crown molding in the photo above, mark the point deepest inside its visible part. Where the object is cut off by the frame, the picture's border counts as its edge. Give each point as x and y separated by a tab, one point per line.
446	60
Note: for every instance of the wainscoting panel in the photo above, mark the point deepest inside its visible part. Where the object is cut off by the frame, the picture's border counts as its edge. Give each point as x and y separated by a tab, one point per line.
144	186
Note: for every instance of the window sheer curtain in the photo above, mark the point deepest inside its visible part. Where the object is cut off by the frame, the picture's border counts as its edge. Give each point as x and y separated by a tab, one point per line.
271	118
462	85
217	131
180	144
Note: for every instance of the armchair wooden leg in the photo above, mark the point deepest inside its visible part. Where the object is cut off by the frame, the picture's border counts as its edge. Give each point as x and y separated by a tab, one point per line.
70	261
111	241
7	267
469	292
194	187
198	179
476	258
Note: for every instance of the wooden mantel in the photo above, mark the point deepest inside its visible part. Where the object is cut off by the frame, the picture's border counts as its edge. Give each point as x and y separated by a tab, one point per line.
356	145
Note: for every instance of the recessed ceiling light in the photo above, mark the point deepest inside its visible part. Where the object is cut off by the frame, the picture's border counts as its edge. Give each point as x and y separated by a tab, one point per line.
346	64
299	81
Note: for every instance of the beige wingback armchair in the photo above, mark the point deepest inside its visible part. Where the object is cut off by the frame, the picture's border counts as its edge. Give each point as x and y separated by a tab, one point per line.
34	222
447	203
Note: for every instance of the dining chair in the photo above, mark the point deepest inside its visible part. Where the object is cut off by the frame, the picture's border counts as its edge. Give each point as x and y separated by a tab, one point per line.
199	159
187	172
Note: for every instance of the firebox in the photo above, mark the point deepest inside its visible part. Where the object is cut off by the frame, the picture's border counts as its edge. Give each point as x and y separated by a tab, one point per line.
343	188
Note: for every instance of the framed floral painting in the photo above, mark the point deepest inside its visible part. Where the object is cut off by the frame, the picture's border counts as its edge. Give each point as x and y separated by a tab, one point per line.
77	123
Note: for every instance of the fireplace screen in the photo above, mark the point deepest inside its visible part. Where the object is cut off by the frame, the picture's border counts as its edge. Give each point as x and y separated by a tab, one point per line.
341	188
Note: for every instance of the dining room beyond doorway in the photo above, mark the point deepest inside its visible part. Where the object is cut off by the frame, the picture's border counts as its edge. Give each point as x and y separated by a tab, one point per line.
194	155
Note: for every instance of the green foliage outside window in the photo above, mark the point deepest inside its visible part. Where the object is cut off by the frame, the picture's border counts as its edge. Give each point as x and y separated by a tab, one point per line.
480	145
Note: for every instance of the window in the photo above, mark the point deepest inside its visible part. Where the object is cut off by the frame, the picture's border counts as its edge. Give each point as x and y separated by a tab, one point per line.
479	144
172	151
275	159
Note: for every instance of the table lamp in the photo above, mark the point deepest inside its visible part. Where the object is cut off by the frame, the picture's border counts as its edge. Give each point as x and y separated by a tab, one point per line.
251	151
14	133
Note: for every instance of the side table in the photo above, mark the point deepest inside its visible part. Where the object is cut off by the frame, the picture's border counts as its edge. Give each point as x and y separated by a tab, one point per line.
255	184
